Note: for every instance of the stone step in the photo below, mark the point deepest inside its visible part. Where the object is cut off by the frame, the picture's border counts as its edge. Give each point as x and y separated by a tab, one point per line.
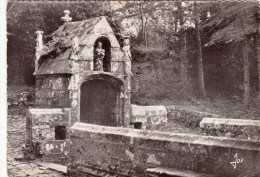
53	166
232	128
163	172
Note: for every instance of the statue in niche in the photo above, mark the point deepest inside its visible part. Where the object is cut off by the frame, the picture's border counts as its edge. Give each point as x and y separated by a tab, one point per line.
99	55
75	49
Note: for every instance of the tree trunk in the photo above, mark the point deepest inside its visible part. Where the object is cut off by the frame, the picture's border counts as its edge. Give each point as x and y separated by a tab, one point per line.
145	31
145	37
246	73
142	20
257	45
110	9
199	53
183	55
175	24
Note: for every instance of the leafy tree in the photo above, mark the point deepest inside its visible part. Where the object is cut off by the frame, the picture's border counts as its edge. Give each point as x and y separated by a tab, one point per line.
163	18
139	13
234	22
23	21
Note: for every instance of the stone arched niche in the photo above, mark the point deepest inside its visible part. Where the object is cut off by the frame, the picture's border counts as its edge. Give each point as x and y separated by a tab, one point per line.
106	45
100	101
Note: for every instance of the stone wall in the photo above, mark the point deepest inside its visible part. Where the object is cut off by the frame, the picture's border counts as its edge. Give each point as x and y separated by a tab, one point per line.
48	131
233	128
188	117
52	92
114	151
151	117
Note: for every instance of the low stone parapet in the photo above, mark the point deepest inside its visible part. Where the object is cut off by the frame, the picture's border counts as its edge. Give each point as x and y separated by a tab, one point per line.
151	117
188	117
234	128
115	151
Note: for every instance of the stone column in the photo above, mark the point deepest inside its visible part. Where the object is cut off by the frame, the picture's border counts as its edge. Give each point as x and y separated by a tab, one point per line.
127	55
138	79
127	72
39	47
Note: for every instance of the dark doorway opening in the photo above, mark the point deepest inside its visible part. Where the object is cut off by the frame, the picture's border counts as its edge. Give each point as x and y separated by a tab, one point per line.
100	103
107	46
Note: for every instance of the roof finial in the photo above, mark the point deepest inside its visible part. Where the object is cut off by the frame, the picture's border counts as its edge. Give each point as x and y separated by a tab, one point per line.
66	17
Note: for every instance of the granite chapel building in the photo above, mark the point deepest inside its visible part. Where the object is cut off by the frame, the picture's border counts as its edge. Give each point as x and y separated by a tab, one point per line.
82	75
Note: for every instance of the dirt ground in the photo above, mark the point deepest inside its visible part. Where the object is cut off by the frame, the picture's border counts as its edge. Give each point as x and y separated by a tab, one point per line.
15	138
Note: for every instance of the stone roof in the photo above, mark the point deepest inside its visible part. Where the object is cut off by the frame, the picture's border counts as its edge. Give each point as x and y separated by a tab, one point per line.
62	38
59	48
55	67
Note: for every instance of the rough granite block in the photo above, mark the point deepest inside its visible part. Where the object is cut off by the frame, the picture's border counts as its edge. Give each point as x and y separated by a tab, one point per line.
234	128
150	116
